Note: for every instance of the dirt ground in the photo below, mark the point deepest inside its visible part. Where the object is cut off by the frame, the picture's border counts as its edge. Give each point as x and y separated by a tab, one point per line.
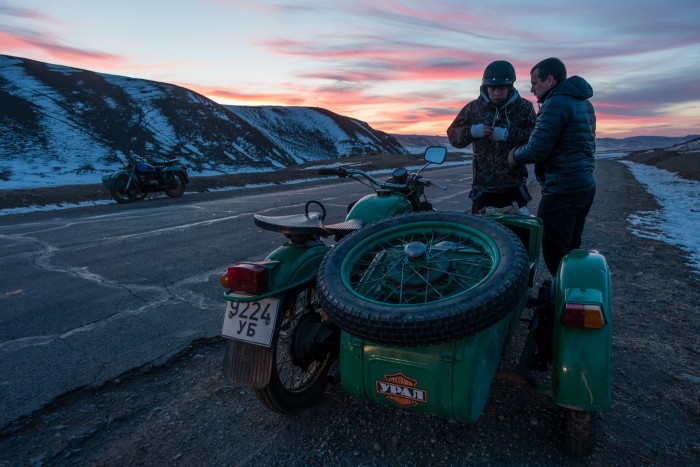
185	413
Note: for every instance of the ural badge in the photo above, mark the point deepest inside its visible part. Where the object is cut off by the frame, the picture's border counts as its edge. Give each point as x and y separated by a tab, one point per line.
401	390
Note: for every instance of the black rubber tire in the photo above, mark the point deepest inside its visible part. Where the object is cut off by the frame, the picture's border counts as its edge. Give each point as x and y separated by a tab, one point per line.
579	436
176	191
119	193
427	323
277	395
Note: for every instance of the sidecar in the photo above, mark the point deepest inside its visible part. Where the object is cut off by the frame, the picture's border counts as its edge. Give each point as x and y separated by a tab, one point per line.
427	303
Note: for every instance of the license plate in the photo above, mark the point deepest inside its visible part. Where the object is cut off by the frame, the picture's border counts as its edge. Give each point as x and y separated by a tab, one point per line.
252	322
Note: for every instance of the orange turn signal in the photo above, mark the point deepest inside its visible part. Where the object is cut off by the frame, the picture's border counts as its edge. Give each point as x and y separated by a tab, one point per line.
583	315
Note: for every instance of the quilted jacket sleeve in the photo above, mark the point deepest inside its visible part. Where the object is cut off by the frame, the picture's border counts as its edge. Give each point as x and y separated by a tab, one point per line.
545	137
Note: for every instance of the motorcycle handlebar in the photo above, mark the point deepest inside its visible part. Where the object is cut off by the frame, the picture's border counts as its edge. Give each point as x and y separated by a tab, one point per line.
343	172
337	171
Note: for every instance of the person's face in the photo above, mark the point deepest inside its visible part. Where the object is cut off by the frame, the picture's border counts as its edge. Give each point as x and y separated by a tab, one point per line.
540	86
497	94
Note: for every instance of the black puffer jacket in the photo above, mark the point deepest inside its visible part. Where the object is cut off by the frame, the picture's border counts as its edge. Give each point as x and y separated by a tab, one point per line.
563	141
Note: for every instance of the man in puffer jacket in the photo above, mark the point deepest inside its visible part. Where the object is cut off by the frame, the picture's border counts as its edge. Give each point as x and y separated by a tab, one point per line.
496	121
561	147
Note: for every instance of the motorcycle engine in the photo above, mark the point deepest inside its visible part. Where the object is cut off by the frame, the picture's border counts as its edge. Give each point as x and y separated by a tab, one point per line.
148	175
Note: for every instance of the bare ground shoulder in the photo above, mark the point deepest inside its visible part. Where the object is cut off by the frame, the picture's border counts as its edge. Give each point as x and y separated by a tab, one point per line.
185	413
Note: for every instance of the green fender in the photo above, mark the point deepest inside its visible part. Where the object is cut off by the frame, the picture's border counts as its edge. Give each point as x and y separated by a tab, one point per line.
296	264
289	266
581	367
372	208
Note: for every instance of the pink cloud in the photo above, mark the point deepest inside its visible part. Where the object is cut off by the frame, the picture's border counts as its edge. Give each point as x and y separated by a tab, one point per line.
54	51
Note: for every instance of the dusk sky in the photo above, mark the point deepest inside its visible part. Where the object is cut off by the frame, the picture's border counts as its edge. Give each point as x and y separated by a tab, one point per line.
403	66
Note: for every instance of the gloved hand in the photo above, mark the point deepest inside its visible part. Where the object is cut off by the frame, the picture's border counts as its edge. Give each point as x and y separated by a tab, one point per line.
499	133
478	130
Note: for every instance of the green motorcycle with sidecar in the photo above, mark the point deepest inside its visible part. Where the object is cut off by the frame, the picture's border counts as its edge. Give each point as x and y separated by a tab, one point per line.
414	310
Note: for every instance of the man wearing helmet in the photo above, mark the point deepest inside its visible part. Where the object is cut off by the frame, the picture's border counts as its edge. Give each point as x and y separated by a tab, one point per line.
498	120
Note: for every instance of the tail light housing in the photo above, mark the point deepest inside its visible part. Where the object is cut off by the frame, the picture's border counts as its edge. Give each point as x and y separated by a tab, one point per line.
250	278
583	315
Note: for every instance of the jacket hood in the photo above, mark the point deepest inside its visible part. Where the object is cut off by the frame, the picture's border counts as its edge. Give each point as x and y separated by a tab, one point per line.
576	87
512	97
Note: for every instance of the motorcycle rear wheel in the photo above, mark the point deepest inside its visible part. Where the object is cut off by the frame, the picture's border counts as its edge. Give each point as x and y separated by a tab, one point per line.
177	182
423	278
293	388
123	194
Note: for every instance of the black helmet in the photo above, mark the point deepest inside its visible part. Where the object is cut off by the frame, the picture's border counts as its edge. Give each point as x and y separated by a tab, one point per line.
499	73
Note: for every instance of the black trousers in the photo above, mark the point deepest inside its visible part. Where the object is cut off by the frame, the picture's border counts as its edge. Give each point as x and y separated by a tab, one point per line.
563	216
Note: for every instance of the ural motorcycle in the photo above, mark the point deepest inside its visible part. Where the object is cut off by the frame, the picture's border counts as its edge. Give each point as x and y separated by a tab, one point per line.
281	343
136	179
415	311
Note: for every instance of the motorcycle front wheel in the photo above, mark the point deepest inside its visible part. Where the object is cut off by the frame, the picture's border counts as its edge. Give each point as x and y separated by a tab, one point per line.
123	193
176	184
299	372
424	278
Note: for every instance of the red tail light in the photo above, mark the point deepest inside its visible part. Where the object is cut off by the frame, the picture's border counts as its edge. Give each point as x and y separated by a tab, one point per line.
580	315
248	278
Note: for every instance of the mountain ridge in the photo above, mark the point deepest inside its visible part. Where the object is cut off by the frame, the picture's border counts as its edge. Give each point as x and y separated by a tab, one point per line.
61	125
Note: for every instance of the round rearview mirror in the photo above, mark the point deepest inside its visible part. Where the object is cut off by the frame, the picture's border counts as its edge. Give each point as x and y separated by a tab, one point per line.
435	154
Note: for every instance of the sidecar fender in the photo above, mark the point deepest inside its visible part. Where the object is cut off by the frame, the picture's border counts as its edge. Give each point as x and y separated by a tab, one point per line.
107	180
290	266
581	366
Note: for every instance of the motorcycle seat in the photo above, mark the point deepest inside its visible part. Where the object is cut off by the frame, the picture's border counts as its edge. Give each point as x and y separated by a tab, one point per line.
344	228
161	164
295	224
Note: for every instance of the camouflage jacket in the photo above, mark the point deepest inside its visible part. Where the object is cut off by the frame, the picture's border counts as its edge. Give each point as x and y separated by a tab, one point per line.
490	165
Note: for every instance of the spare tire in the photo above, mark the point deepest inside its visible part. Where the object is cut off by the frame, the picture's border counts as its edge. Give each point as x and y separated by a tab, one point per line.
423	278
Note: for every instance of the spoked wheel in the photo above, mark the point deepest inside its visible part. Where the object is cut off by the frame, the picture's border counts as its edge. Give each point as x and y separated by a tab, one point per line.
304	352
176	182
126	194
425	278
578	432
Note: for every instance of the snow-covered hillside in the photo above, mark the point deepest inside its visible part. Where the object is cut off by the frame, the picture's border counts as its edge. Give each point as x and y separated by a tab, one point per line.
62	125
333	134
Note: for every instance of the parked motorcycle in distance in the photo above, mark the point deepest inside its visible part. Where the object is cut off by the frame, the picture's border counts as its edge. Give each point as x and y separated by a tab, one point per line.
137	179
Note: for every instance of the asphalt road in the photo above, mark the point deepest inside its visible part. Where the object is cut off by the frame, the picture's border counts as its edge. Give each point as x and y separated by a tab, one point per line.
88	294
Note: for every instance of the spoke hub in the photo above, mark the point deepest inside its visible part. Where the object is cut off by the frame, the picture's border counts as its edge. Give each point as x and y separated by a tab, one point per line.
416	251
